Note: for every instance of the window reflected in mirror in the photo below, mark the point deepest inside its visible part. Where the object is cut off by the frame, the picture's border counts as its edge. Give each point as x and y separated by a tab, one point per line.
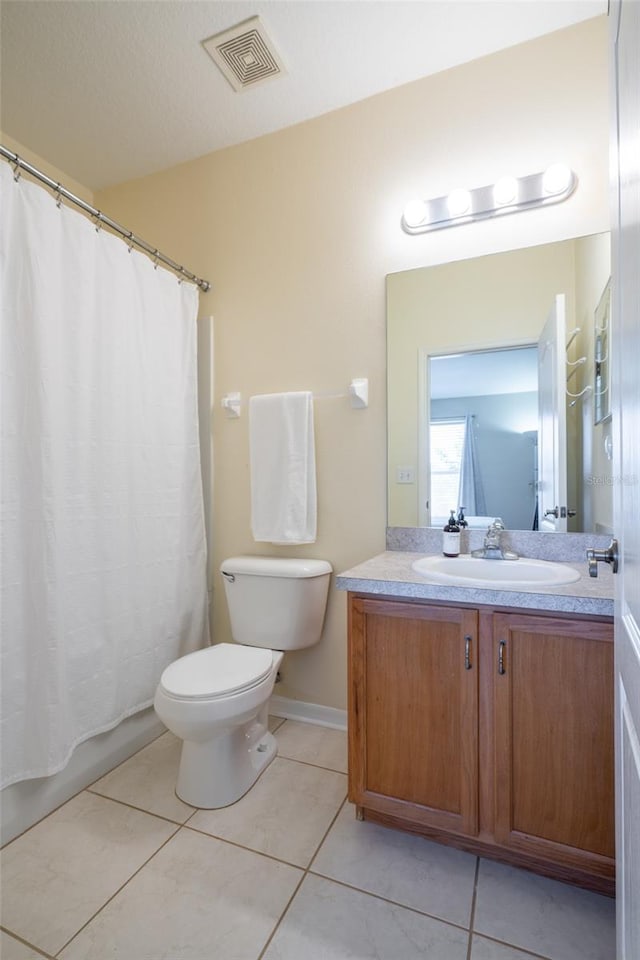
483	414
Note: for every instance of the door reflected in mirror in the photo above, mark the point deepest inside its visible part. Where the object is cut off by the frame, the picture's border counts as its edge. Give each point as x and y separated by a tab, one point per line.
483	427
467	424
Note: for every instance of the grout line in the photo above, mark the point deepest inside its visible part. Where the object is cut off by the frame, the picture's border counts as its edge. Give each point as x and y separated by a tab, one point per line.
122	762
302	879
191	816
26	943
78	792
472	915
282	916
133	806
307	763
393	903
506	943
240	846
326	833
120	888
514	946
377	896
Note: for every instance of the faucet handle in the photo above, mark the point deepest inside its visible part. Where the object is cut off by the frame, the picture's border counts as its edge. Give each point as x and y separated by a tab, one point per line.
497	524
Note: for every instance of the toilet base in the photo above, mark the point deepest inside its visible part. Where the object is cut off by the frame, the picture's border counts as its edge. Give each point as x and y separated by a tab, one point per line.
217	772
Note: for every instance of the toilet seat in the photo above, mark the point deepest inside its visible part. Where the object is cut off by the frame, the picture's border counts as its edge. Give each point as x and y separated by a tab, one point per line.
216	672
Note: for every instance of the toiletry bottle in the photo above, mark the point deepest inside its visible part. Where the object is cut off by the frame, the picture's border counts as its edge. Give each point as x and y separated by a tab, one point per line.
451	537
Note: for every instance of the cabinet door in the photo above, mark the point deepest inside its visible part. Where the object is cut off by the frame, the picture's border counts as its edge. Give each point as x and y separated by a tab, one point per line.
553	696
413	712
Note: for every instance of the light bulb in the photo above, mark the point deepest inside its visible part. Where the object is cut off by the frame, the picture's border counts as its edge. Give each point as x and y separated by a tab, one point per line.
415	213
556	178
459	202
505	191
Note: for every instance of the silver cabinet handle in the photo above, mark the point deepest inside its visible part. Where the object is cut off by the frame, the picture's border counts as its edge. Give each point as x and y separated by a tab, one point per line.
467	653
501	646
610	556
552	513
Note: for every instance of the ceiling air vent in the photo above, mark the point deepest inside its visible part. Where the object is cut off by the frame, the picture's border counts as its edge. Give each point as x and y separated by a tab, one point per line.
245	54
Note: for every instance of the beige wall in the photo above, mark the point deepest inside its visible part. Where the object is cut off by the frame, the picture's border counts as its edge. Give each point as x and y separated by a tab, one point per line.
297	232
73	186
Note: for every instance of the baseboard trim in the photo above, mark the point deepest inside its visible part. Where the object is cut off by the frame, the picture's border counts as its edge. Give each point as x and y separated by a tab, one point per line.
308	712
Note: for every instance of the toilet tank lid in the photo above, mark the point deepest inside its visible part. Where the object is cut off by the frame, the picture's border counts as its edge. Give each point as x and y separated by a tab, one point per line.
276	567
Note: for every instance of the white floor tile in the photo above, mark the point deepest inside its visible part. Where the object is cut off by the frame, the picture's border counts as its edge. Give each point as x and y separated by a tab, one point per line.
544	916
197	899
310	743
329	922
148	780
11	949
399	866
285	814
55	876
275	722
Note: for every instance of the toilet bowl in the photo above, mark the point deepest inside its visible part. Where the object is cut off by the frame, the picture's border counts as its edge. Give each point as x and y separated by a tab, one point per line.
216	699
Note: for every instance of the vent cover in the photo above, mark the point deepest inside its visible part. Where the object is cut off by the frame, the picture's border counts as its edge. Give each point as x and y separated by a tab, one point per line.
245	54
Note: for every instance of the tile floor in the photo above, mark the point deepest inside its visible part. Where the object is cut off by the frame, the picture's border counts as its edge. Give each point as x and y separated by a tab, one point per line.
126	870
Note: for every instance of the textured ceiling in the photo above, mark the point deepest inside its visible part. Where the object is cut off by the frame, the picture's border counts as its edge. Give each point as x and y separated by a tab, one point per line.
110	90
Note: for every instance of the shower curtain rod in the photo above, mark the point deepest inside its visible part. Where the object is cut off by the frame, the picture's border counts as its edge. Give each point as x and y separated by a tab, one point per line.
99	217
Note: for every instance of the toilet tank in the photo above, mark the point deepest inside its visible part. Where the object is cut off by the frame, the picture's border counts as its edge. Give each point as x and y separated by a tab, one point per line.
276	602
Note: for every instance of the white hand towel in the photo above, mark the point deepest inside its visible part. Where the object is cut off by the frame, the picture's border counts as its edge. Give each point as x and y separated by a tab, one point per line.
283	468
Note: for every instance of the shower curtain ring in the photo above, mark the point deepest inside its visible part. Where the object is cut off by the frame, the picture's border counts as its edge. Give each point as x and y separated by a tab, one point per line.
98	221
16	169
58	196
155	259
130	243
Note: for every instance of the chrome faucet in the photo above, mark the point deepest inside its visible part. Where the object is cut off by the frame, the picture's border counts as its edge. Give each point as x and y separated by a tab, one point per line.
492	548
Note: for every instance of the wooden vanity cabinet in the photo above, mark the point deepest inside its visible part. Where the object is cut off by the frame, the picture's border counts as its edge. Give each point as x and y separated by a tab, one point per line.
553	722
487	729
413	718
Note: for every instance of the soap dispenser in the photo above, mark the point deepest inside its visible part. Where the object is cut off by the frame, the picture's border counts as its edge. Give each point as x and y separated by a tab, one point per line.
451	537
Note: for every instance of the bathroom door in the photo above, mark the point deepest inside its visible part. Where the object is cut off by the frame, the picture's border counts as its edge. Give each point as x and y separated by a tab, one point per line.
625	43
552	421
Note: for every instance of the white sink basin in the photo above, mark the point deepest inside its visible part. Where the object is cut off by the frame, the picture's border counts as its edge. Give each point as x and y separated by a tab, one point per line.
468	571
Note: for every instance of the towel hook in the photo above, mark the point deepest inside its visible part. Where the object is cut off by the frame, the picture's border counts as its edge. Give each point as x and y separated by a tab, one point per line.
359	393
232	403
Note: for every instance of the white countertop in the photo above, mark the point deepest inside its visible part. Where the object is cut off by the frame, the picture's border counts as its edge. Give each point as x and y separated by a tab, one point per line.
391	574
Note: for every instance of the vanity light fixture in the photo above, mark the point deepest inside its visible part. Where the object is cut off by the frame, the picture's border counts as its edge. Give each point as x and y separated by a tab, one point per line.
459	203
507	195
505	191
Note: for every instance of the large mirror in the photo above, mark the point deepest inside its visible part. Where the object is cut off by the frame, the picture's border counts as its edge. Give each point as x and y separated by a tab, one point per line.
491	390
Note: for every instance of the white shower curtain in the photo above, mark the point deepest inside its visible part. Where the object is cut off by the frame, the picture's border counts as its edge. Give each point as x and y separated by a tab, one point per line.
471	489
103	544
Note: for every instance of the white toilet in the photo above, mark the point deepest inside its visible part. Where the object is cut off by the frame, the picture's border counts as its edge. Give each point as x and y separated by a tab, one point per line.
216	699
